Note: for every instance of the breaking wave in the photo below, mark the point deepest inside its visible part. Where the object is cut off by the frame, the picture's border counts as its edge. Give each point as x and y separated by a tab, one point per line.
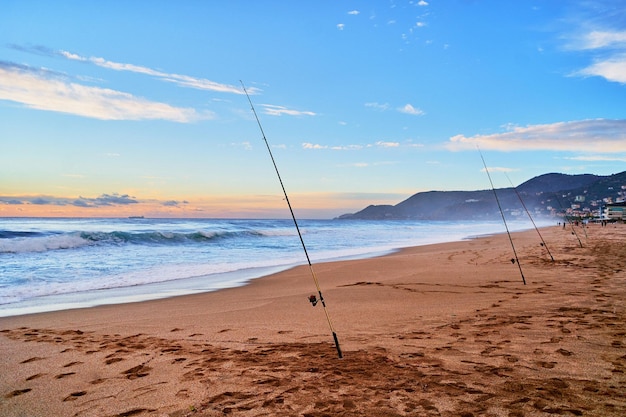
22	242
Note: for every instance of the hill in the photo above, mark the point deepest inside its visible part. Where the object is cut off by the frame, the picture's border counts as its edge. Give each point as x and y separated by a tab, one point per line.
544	196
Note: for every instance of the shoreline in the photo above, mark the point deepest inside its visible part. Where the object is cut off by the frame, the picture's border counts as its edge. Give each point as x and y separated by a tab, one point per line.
443	329
178	287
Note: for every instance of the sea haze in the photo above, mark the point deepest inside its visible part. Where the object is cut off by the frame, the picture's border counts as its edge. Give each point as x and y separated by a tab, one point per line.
54	264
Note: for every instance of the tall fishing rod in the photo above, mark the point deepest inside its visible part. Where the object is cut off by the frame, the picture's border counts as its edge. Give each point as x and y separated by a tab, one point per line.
516	260
568	220
543	242
295	222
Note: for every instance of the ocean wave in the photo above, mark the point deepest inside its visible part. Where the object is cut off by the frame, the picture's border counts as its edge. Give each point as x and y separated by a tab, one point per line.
42	243
11	234
22	242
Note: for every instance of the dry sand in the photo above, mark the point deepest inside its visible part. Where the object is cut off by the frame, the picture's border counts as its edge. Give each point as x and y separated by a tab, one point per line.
439	330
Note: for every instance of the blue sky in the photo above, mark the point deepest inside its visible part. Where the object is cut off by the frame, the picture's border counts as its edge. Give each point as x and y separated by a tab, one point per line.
123	108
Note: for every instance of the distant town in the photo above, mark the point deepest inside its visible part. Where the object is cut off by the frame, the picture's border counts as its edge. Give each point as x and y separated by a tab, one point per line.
584	197
605	209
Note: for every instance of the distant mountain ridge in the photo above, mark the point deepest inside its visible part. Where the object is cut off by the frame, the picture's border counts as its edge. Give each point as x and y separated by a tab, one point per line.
544	196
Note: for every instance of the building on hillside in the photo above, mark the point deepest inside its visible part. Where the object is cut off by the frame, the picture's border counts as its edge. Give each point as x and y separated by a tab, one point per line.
615	211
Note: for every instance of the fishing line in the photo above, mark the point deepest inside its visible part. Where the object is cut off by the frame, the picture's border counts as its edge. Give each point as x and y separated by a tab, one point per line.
530	217
516	260
295	222
568	220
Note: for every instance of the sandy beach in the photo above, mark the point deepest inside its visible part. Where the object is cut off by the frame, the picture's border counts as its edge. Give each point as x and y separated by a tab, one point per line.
439	330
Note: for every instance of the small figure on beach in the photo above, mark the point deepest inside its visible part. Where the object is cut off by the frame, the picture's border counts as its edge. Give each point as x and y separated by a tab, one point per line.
313	300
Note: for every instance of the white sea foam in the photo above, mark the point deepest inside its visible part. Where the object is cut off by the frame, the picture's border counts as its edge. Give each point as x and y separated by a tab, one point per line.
93	261
42	243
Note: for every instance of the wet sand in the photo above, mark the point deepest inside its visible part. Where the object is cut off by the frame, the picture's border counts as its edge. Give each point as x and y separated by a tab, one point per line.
438	330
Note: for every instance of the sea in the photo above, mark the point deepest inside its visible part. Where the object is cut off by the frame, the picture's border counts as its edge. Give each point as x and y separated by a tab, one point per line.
49	264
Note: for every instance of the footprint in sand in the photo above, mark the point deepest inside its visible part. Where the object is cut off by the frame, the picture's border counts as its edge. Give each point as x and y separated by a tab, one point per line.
17	392
73	396
547	365
97	381
134	412
33	359
564	352
138	371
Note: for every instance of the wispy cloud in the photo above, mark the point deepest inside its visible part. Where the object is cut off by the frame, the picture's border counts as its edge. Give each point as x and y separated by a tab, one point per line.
406	109
379	144
597	39
104	200
378	106
384	144
317	146
174	203
612	69
409	109
308	145
178	79
599	33
46	90
610	50
593	136
274	110
602	158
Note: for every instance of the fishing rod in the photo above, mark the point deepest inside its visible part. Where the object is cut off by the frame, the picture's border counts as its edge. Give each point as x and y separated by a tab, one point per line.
543	242
295	222
568	220
516	260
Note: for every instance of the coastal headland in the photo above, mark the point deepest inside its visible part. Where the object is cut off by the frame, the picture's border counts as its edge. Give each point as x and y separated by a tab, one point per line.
442	330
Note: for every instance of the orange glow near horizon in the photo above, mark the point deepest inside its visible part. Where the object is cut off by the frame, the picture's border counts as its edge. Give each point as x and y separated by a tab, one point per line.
314	205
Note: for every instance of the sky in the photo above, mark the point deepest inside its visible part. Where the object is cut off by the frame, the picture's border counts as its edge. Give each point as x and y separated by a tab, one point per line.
137	108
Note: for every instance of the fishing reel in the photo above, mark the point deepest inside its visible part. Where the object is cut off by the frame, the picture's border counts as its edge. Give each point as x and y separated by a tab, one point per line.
313	300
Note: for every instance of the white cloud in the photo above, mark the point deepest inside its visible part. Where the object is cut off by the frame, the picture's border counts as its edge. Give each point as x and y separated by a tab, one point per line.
377	106
354	12
379	144
181	80
612	69
592	158
316	146
43	90
422	3
609	54
409	109
307	145
594	136
340	26
274	110
603	39
388	144
246	145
